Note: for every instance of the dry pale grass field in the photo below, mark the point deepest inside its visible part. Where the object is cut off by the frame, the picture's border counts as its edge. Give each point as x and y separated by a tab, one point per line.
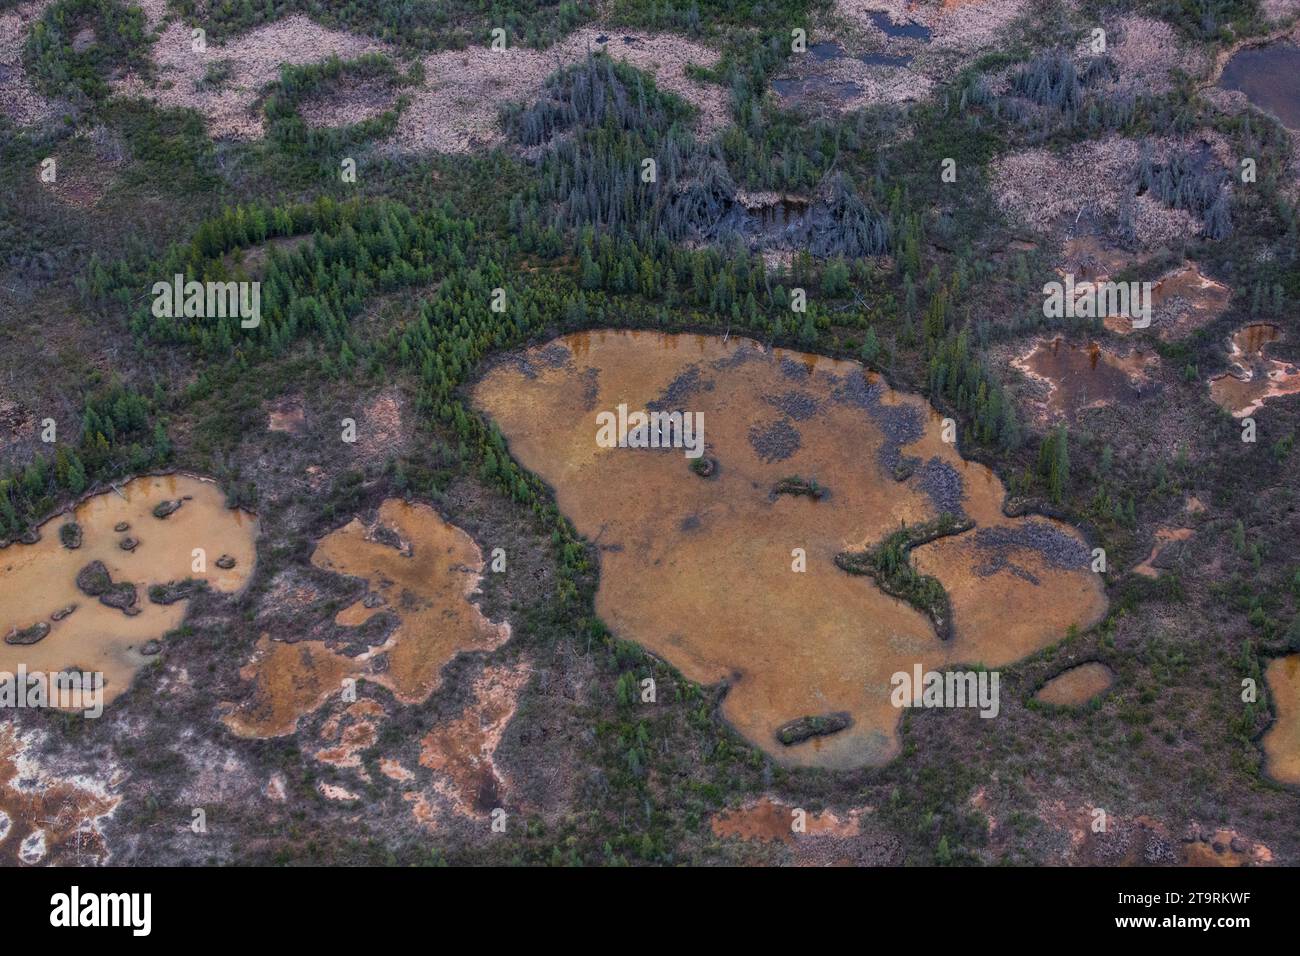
960	31
1148	52
255	59
1046	189
1280	10
454	111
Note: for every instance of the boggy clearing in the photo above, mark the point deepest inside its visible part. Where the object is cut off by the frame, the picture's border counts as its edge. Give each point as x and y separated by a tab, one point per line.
1077	686
56	615
1253	378
1080	377
1282	740
699	568
419	569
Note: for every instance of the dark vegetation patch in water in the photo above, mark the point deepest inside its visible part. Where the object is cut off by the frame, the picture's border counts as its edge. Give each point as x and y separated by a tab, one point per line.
553	356
746	352
1058	548
799	487
797	405
794	370
556	356
900	424
909	30
821	725
944	486
889	564
817	87
680	389
590	387
775	441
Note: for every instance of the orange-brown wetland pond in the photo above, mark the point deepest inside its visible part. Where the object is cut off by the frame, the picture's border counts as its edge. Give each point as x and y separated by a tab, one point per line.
1252	377
1282	740
104	584
701	568
1079	377
419	569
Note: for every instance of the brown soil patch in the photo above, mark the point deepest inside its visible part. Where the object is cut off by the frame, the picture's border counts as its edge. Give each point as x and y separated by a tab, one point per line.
1253	378
1080	377
287	415
427	572
768	820
1164	536
275	789
46	818
1281	742
1221	846
351	732
1136	841
289	682
332	791
1078	685
825	838
1143	841
1185	300
422	809
1182	300
461	752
